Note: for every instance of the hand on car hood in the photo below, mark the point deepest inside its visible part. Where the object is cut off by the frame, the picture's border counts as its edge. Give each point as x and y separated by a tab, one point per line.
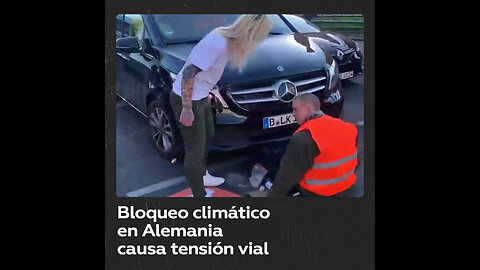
276	56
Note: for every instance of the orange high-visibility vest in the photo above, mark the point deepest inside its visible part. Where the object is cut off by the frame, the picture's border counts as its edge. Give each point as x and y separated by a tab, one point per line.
333	169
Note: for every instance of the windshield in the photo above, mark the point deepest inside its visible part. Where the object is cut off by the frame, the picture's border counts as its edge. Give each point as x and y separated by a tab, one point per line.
182	28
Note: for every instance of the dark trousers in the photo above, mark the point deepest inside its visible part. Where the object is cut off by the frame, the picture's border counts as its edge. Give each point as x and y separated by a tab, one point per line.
197	140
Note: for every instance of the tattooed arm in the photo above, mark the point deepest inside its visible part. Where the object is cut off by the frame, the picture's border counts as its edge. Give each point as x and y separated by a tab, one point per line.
187	117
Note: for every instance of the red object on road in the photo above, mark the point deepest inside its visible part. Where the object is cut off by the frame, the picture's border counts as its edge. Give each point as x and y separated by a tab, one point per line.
211	192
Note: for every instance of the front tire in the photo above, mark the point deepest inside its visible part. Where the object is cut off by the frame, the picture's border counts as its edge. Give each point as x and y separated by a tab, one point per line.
164	130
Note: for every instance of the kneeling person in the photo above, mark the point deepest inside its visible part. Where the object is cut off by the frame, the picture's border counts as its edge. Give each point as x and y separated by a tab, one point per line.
321	157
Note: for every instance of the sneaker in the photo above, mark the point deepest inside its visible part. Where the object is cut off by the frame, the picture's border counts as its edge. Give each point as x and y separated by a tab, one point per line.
208	191
212	181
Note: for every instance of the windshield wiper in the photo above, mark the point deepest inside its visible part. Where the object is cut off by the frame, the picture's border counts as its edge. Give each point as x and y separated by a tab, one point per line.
275	33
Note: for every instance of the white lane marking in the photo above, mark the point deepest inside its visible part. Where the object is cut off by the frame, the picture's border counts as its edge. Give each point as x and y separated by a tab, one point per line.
132	105
359	123
157	186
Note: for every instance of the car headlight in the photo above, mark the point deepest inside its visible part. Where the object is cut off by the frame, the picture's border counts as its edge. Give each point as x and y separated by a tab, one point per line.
356	55
356	45
333	74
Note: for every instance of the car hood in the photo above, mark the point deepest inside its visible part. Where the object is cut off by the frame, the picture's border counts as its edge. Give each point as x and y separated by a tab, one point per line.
331	42
276	56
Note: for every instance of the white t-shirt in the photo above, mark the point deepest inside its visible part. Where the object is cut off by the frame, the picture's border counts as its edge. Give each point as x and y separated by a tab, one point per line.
210	55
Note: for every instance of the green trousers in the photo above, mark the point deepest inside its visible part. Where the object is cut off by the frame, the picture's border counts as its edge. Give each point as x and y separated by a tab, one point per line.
197	139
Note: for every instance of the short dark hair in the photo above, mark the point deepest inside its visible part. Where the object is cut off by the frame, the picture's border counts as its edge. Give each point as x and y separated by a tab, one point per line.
310	99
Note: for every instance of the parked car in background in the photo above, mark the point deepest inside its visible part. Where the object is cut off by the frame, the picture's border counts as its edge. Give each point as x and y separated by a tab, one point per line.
345	51
251	107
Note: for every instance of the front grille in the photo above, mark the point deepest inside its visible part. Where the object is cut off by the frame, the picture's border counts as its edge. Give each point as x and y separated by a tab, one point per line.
262	94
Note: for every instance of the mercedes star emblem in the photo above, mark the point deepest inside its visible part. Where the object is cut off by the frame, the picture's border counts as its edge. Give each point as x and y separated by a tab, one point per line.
286	90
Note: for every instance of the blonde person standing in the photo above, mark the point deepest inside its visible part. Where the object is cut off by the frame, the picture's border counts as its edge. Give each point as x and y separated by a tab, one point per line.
201	72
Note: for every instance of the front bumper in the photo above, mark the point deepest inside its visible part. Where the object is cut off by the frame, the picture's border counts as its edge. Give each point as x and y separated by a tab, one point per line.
356	67
231	137
233	131
352	62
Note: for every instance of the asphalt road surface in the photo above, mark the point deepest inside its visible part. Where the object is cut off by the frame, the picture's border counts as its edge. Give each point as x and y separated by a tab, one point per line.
142	172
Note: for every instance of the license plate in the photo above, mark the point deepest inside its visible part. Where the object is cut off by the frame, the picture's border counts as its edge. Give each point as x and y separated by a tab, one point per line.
278	121
346	75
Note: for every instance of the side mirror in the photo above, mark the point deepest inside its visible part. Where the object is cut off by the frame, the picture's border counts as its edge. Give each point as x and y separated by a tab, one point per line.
128	45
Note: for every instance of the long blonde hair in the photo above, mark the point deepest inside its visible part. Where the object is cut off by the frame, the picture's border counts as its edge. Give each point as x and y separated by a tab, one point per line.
244	35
